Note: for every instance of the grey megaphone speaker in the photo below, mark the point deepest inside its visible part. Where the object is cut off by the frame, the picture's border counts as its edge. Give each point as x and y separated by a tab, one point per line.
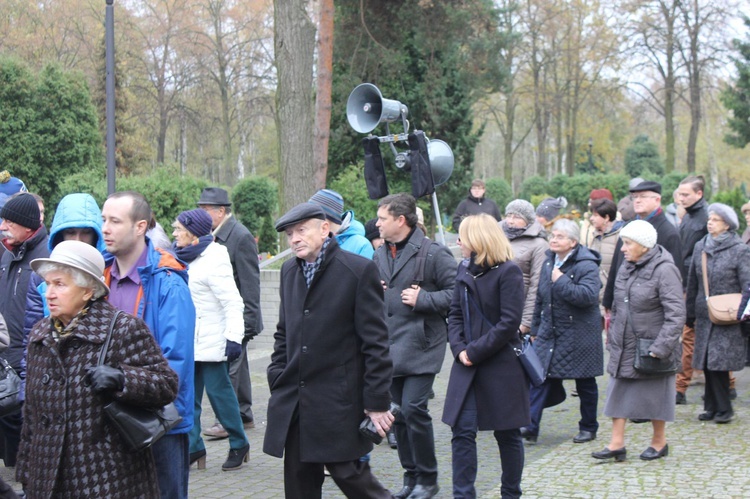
441	161
366	108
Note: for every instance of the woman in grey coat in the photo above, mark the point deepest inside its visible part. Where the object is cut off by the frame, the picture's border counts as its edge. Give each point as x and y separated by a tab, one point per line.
718	349
647	303
528	239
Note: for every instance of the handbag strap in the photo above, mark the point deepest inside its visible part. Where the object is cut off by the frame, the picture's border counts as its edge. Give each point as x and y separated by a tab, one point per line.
704	265
108	339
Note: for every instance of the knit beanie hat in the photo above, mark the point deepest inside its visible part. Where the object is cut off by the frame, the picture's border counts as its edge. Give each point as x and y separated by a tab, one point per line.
371	230
634	182
197	222
726	213
550	207
601	194
522	208
640	232
22	210
331	202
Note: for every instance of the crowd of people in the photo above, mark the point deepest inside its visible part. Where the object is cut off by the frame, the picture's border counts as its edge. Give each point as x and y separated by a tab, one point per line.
367	313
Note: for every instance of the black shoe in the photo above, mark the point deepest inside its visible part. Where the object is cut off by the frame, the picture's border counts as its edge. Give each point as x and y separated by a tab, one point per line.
198	457
392	439
619	454
528	436
236	457
706	416
424	491
680	399
584	436
733	394
639	421
650	454
404	492
723	417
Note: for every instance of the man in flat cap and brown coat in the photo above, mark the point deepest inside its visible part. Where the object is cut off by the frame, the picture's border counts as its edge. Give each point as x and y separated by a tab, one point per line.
330	366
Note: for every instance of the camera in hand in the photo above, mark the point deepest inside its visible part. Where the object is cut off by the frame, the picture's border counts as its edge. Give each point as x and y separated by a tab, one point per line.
367	427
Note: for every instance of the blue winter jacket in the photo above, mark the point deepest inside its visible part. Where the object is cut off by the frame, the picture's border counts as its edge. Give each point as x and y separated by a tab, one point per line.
168	311
352	238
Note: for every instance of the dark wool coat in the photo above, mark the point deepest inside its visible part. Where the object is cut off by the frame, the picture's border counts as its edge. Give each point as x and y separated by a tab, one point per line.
652	288
718	348
330	358
243	253
499	382
567	323
692	229
418	334
475	206
68	446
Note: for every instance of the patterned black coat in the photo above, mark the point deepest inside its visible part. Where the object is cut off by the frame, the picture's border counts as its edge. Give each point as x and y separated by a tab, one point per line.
718	348
567	323
68	447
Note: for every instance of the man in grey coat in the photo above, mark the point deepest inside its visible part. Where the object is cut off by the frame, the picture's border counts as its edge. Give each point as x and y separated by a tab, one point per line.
415	313
243	253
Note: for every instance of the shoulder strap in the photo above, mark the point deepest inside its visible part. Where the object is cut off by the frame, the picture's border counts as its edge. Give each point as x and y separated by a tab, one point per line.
704	259
107	340
422	260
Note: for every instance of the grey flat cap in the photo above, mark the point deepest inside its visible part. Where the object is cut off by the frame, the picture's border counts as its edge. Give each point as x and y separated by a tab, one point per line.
300	213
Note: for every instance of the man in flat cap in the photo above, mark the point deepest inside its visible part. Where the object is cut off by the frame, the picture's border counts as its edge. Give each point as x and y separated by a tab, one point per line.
330	365
24	239
243	253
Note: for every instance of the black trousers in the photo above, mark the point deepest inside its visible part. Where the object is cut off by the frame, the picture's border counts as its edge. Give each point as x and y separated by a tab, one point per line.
305	480
716	398
10	433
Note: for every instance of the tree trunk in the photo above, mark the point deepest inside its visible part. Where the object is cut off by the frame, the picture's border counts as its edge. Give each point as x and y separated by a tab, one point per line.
294	40
323	94
668	11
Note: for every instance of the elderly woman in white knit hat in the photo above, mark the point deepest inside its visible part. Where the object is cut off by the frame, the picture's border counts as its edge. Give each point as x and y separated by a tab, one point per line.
718	348
648	313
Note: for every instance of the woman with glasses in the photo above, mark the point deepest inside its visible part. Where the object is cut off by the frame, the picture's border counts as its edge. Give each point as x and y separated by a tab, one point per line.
567	328
528	239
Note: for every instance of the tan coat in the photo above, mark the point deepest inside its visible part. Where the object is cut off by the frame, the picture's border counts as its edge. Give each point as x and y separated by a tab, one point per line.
529	253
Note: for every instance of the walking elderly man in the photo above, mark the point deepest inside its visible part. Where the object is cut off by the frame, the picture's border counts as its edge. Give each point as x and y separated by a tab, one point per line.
330	365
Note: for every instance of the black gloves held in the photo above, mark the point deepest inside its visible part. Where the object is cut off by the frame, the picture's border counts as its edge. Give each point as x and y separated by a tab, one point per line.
106	379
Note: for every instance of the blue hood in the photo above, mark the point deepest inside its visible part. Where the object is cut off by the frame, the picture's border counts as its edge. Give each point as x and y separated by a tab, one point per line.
77	211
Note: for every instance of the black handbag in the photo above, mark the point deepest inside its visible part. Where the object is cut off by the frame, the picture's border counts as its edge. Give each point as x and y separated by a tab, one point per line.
10	388
644	363
139	427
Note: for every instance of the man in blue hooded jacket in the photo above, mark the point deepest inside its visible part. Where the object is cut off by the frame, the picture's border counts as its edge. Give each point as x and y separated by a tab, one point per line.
152	284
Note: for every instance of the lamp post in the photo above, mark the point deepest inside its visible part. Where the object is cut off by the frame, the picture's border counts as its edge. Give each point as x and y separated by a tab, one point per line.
591	158
109	39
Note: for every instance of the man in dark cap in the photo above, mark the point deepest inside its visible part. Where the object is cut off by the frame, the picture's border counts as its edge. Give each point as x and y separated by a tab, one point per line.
25	239
243	253
330	365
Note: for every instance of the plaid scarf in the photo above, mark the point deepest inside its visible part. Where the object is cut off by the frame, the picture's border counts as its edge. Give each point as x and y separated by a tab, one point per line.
60	331
309	269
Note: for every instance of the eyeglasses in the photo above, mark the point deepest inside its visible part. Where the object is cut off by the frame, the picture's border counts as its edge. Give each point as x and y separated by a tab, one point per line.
514	216
642	196
558	237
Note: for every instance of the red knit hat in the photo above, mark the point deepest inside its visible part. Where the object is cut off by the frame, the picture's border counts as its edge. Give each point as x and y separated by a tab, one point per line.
601	194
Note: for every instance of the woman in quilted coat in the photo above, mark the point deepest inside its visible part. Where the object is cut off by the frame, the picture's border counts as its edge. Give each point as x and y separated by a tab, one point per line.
69	449
718	349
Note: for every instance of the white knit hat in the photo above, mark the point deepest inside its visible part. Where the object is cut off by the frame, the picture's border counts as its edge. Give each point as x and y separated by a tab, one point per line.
641	232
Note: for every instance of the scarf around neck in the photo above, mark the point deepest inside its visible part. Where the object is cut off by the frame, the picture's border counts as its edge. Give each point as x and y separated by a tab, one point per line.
190	253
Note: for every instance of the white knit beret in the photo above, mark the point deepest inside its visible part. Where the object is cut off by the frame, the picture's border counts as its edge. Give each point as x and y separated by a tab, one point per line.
640	232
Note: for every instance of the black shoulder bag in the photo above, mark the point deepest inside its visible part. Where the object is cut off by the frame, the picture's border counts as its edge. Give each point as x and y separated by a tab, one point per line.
139	427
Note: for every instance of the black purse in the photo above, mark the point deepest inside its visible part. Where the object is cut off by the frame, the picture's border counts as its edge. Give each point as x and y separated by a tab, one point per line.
10	388
139	427
644	363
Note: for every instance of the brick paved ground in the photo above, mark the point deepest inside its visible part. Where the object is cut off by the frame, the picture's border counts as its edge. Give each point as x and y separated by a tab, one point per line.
706	460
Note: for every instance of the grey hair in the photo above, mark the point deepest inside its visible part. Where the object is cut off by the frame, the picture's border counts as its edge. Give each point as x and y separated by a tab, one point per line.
569	228
81	279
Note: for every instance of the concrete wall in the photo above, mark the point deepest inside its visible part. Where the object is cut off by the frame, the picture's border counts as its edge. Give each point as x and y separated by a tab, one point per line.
269	308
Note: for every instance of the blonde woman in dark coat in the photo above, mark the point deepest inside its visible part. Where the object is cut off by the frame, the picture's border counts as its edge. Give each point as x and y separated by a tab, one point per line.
647	303
488	389
68	446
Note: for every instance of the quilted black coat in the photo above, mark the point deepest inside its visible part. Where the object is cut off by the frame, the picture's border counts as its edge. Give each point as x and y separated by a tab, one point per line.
68	447
567	323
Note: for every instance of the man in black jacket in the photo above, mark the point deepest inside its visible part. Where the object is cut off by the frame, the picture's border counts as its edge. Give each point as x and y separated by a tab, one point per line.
692	229
646	198
24	239
474	204
243	253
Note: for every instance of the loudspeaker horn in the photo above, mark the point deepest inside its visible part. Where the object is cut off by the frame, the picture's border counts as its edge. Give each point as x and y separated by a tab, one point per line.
366	108
441	160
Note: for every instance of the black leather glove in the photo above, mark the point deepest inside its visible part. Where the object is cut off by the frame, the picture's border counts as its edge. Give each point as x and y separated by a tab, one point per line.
106	378
233	351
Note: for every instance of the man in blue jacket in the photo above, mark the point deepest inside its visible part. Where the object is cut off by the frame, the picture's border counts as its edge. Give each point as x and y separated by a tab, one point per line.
152	284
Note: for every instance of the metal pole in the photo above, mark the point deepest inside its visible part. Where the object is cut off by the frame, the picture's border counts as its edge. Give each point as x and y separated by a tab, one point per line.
109	38
436	209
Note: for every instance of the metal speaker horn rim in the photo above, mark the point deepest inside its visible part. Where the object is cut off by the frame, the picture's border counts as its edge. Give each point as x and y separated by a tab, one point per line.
441	156
366	108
